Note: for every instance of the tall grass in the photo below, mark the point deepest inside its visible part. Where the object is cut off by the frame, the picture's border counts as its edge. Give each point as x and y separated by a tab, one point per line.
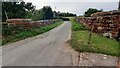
76	26
98	43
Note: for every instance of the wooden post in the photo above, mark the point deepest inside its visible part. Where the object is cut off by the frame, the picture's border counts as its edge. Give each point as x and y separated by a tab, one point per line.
90	34
91	29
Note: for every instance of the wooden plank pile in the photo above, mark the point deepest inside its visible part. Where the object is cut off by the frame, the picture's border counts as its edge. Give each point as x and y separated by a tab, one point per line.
103	22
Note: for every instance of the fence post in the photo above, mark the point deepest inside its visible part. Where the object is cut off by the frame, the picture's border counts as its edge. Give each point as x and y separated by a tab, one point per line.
91	29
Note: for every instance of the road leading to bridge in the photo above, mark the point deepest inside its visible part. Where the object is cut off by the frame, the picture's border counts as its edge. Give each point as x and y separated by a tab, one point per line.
47	49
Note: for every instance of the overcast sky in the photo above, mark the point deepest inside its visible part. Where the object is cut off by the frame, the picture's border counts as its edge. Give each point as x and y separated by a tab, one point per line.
76	6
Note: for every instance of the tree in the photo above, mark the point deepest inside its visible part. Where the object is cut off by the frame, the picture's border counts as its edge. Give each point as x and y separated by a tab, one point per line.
47	12
15	9
30	7
43	13
55	14
91	11
37	15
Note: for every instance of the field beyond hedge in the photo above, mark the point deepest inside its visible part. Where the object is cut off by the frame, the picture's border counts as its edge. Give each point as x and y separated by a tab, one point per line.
23	34
98	43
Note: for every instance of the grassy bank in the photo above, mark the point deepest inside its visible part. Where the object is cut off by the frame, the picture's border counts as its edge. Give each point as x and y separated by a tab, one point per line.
30	33
99	44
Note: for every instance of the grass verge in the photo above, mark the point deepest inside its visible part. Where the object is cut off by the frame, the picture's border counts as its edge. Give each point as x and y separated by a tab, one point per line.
99	44
30	33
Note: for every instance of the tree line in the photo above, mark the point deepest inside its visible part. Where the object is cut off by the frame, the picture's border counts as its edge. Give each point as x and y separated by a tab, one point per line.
91	11
27	10
64	14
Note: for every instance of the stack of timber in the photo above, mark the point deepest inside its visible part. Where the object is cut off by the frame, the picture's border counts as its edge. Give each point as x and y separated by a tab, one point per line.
105	23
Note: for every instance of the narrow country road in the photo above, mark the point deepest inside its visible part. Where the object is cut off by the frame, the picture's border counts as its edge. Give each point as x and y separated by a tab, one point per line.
47	49
51	49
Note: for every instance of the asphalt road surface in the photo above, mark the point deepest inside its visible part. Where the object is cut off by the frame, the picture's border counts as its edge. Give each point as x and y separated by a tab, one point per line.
51	49
47	49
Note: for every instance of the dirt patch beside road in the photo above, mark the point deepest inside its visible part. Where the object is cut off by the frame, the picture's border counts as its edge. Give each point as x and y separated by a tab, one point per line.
91	59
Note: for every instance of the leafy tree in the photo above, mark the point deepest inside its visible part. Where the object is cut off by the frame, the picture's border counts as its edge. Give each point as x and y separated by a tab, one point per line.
36	15
91	11
55	14
43	13
15	9
29	14
47	12
29	7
